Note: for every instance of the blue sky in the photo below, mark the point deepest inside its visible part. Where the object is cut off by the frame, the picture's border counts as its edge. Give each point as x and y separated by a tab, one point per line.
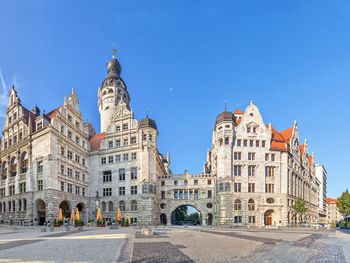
182	59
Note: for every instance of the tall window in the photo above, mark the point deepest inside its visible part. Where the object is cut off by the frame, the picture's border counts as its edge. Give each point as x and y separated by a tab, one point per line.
122	190
126	142
133	156
125	157
40	185
251	156
237	156
110	159
237	187
70	155
117	143
269	171
22	188
251	170
11	190
107	176
122	206
251	205
107	191
122	174
269	188
125	126
103	160
117	158
133	205
39	166
237	205
251	187
133	190
69	188
237	170
133	172
239	142
110	144
62	186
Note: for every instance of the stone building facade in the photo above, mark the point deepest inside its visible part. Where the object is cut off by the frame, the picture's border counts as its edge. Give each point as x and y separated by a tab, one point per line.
252	176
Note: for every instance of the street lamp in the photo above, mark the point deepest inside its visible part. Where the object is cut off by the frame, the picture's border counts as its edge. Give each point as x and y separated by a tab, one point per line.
97	201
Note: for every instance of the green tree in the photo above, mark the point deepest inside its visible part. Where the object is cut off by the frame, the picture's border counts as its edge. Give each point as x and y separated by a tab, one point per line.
300	206
343	203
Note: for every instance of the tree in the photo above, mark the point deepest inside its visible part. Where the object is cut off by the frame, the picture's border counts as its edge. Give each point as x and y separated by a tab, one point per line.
300	206
343	203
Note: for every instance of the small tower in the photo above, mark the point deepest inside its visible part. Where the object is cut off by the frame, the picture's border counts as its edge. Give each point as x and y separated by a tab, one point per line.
112	92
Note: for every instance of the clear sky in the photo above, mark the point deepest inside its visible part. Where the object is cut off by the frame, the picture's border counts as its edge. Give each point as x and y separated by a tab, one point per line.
182	59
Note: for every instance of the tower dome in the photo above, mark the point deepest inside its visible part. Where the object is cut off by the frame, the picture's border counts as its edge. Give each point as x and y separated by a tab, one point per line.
113	67
225	116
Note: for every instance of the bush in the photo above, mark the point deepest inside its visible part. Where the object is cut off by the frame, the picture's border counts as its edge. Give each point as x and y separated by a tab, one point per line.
78	223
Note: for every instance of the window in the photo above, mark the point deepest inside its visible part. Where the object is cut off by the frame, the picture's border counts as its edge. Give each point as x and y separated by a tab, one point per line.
15	139
63	151
122	174
117	158
2	192
176	182
125	142
251	170
122	206
251	143
209	194
237	187
195	182
69	118
62	186
83	191
133	190
107	176
133	156
122	190
39	126
125	157
209	181
251	187
133	205
117	143
237	156
62	169
133	221
237	170
239	142
70	172
237	205
39	166
150	137
227	141
257	143
62	129
251	205
144	136
251	219
83	177
269	188
267	157
40	185
238	219
20	135
244	142
110	159
262	143
77	190
248	130
220	142
273	157
269	171
125	126
70	155
70	135
77	139
162	194
110	206
110	144
103	160
251	156
77	158
22	188
196	195
117	128
133	140
133	172
107	191
254	129
270	200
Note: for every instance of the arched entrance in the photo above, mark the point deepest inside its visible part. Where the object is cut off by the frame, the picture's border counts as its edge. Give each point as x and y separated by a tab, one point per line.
163	219
66	211
210	219
81	208
268	217
186	215
41	211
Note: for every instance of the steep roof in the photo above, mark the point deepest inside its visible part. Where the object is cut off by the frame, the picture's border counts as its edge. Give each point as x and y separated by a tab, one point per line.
95	141
302	149
287	134
53	113
331	201
238	112
278	142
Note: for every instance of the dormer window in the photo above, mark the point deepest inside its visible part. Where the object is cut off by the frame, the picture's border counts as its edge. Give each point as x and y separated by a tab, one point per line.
254	129
39	126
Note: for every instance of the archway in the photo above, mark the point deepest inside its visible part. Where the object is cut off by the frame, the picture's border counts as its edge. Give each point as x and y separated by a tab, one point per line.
66	211
163	219
81	208
186	215
41	211
210	219
268	217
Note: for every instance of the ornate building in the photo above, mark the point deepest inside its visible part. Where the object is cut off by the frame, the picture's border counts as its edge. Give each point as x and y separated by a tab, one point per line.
252	176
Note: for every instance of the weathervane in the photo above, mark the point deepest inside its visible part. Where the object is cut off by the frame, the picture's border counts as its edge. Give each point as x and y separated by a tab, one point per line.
114	51
225	104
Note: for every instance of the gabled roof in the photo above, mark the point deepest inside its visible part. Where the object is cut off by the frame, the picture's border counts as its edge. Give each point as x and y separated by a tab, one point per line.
287	134
238	112
278	142
53	113
95	141
331	201
302	149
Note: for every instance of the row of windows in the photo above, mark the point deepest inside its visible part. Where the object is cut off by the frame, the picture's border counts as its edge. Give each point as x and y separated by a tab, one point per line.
237	187
118	142
107	175
108	191
69	154
11	141
269	170
185	182
251	156
22	206
251	143
69	172
109	206
68	187
22	189
70	135
118	158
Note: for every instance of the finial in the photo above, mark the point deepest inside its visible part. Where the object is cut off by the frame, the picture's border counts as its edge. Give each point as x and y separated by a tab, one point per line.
225	104
114	51
251	102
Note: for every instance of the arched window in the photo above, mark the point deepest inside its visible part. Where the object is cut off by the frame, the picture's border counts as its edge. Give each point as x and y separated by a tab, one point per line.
133	205
122	206
104	206
110	206
19	205
24	162
227	140
251	205
4	171
13	205
110	91
24	204
238	205
220	142
9	205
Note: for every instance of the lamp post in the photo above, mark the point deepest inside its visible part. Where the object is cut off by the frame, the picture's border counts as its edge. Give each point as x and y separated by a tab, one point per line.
97	201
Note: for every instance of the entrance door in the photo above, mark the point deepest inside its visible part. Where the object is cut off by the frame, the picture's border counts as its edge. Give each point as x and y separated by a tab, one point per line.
268	218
